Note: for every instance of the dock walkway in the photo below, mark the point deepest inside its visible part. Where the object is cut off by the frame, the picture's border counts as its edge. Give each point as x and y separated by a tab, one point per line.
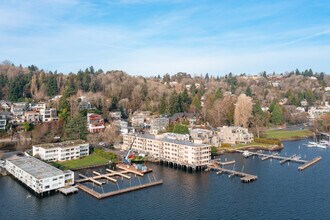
282	159
245	177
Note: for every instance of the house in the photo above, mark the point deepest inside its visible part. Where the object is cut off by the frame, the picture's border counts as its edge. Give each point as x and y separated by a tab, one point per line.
47	115
191	118
32	116
68	150
171	150
123	127
115	116
4	116
38	175
204	136
84	104
5	105
234	135
95	123
137	121
315	112
158	124
37	106
18	109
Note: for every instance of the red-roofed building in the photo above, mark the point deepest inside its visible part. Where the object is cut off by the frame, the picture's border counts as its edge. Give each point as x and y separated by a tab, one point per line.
95	123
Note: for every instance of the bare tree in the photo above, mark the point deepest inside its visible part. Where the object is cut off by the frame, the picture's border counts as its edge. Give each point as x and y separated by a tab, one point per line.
243	110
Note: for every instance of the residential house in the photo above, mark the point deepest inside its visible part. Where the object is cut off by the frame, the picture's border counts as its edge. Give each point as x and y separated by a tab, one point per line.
95	123
47	115
158	124
32	116
191	118
235	135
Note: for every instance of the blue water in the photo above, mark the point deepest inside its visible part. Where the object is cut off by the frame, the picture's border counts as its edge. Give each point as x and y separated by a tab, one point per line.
281	192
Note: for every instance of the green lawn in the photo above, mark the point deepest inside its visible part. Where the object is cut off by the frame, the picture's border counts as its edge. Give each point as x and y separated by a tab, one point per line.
90	160
286	135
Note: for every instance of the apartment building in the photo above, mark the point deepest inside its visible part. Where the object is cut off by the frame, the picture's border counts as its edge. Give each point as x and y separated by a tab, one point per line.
204	136
235	135
18	109
176	151
68	150
37	175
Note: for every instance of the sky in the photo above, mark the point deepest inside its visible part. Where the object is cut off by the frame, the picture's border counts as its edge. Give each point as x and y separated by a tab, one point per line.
151	37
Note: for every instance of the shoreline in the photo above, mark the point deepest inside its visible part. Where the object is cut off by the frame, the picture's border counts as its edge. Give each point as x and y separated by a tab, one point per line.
252	147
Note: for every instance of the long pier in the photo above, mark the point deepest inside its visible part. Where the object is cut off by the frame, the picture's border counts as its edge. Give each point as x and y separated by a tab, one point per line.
282	159
245	177
117	192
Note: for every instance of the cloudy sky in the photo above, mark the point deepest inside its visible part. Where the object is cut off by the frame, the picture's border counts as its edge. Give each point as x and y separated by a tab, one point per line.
149	37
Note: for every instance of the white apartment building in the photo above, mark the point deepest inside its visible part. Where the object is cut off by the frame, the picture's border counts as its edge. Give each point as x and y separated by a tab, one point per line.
18	109
31	116
235	135
180	152
158	124
204	136
68	150
47	115
37	175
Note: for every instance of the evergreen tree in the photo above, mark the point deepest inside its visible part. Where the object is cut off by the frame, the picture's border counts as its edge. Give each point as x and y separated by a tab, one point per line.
248	91
163	105
52	86
114	103
277	116
180	129
174	103
76	128
257	108
218	94
196	103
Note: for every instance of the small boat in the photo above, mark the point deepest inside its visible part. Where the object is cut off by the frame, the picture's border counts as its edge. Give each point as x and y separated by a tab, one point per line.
246	154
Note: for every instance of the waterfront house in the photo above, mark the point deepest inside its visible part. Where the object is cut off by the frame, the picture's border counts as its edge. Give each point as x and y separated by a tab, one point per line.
68	150
234	135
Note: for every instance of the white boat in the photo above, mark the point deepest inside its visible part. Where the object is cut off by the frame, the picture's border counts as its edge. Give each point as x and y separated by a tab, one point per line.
315	144
246	154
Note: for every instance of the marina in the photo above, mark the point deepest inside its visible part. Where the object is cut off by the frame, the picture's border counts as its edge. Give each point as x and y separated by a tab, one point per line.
109	176
245	177
294	158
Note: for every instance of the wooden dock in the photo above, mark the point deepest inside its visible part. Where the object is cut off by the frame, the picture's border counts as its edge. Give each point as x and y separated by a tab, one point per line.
283	160
245	177
117	192
226	163
310	163
68	190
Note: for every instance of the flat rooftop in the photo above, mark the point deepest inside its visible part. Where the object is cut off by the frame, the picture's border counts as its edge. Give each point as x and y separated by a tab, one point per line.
62	144
152	137
35	167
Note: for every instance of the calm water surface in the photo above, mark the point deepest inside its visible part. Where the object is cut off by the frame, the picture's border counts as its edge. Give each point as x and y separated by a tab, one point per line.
281	192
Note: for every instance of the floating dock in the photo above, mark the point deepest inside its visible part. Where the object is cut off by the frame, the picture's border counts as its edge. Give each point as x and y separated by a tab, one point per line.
117	192
68	190
111	173
245	177
310	163
282	159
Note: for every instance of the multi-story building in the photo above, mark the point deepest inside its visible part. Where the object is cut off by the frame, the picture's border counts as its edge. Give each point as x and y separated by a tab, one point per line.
175	151
18	109
235	135
37	106
158	124
37	175
137	121
68	150
95	123
4	116
204	136
84	104
47	115
115	116
32	116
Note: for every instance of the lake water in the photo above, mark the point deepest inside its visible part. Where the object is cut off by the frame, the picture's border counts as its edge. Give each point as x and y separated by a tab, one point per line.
281	192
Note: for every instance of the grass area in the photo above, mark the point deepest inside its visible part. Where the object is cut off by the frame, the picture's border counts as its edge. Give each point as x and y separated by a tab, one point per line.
254	145
287	135
90	160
